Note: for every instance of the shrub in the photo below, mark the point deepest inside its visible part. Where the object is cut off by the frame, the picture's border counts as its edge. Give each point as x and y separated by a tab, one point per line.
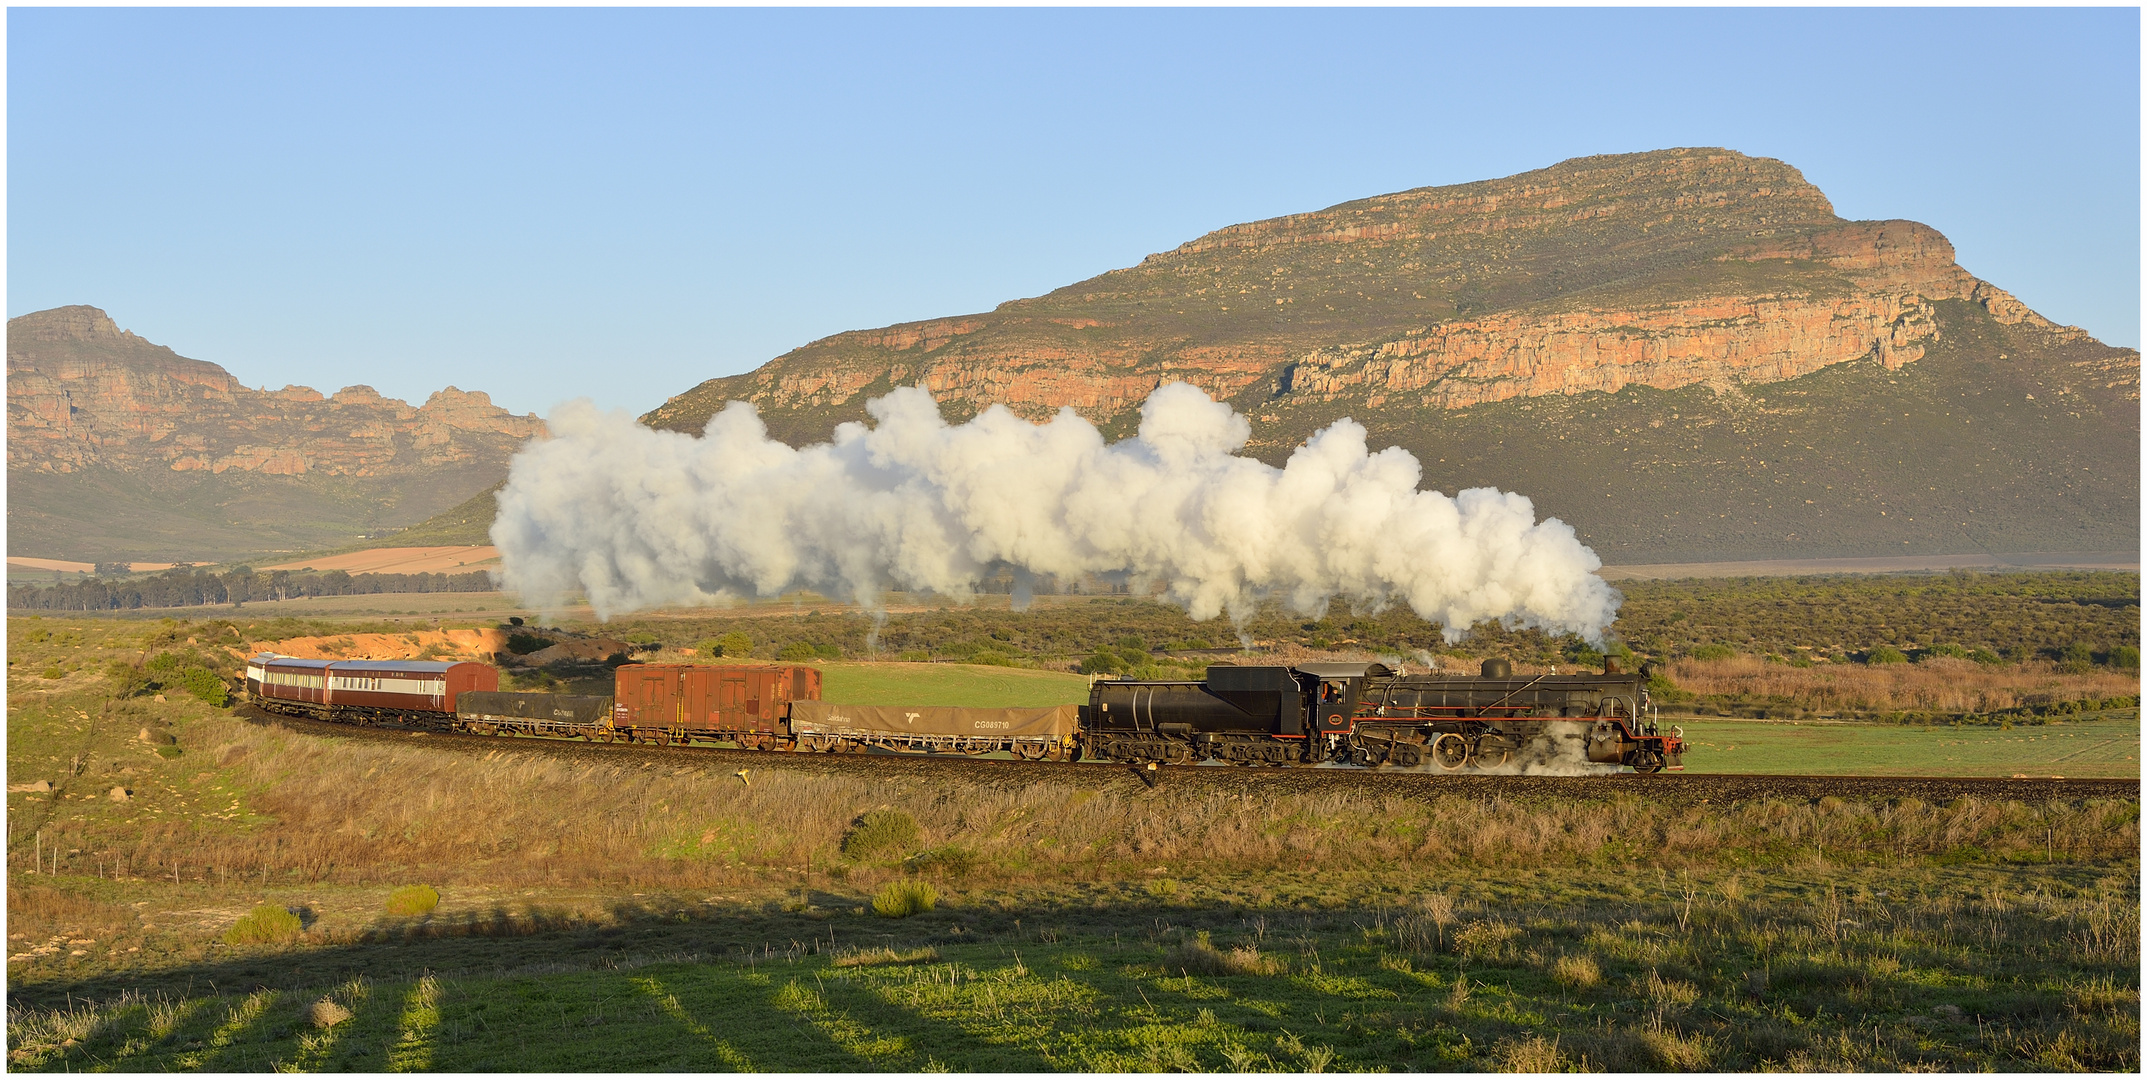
796	651
524	644
2126	657
902	899
204	684
1102	662
880	832
914	656
127	679
735	643
1886	654
413	900
264	924
991	657
1713	652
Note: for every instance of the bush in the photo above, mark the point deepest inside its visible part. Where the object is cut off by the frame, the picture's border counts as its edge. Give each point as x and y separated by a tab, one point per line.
1886	654
735	643
127	679
1713	652
880	832
204	684
902	899
991	657
264	925
524	644
1103	662
797	651
2126	657
413	900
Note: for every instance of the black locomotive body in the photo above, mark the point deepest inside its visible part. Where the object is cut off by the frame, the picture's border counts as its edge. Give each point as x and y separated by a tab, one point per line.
1366	714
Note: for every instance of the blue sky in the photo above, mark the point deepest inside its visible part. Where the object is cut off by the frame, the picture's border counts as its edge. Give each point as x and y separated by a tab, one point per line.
545	204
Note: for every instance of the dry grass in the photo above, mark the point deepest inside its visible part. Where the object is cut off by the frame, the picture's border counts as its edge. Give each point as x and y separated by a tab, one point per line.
515	820
1534	1054
880	957
1577	972
1200	956
1940	684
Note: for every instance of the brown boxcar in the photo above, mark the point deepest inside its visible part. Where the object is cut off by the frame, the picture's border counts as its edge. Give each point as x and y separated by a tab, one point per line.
676	702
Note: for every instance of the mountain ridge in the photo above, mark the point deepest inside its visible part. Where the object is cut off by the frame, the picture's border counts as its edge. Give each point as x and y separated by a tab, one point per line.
122	449
1640	286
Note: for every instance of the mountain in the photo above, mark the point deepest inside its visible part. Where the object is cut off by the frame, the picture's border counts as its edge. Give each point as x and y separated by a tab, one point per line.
121	449
1685	353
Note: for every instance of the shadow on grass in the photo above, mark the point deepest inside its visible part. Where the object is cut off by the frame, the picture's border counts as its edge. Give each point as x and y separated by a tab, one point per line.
1122	984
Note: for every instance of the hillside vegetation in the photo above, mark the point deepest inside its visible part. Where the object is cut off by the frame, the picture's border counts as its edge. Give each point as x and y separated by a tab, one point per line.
1685	354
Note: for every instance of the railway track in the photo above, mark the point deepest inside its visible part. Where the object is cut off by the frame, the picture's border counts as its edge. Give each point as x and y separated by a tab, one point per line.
1668	787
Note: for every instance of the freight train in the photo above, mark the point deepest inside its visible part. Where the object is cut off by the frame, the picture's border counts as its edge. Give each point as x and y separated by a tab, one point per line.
1307	714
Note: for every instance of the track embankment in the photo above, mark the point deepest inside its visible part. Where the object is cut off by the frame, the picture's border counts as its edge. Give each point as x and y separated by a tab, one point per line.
1685	788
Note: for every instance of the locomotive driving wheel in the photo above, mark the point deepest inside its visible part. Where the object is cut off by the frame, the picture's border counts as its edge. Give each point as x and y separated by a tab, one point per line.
1450	751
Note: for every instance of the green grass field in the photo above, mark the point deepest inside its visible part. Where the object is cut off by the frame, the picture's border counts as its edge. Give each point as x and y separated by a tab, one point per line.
959	685
2106	747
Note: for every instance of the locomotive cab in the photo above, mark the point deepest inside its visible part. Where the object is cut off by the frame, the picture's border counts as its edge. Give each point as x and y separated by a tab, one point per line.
1334	690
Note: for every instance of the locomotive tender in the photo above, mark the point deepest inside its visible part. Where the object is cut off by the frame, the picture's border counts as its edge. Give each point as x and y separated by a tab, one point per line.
1308	714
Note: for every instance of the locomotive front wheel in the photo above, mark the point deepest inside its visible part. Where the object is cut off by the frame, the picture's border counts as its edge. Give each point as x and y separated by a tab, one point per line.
1450	751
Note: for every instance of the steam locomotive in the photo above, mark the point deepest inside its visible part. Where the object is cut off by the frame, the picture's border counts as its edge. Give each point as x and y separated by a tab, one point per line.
1308	714
1367	714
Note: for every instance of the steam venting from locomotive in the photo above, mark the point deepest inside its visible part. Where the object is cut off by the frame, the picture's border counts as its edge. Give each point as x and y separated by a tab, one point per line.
639	519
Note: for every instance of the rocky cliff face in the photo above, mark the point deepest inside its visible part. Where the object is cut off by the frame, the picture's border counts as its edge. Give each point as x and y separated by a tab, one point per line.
83	393
1663	270
121	449
1660	348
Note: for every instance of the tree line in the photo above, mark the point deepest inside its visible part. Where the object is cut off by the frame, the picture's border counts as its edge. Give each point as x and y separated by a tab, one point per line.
191	587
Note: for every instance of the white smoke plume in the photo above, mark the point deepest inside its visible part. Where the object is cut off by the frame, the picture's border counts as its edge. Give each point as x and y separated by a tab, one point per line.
640	519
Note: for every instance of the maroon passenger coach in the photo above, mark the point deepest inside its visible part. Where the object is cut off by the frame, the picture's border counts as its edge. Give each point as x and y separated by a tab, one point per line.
364	690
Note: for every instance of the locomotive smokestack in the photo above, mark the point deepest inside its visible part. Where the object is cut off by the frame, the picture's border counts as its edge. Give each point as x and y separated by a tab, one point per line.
640	519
